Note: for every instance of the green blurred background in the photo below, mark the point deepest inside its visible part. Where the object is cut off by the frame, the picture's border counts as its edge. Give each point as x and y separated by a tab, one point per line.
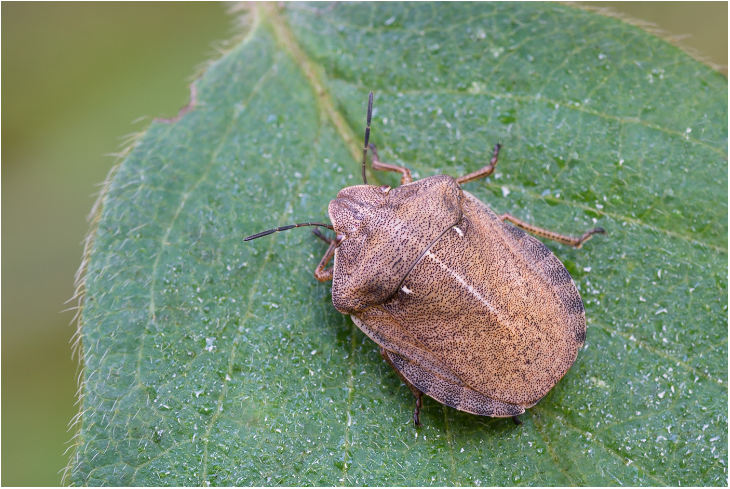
75	76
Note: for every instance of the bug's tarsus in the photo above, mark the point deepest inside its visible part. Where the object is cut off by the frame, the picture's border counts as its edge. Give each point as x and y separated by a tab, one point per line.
367	137
284	228
417	411
484	171
516	420
379	165
587	235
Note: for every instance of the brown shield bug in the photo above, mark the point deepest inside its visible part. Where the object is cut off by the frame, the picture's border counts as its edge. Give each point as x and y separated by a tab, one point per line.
466	308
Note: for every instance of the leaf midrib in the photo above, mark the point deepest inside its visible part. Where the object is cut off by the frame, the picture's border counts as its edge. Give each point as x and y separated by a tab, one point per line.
285	38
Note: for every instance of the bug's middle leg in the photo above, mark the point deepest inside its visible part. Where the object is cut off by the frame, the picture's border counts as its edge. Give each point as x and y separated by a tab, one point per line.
416	393
484	171
560	238
379	165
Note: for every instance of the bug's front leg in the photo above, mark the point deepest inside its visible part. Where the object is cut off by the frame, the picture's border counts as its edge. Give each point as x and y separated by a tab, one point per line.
321	236
379	165
484	171
416	393
321	273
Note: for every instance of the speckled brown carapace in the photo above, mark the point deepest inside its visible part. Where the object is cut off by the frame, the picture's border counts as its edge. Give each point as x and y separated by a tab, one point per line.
472	311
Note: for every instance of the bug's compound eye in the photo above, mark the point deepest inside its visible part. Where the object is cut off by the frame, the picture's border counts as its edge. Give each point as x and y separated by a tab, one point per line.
385	189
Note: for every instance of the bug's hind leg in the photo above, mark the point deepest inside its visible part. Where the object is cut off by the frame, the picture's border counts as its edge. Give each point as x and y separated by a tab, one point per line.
416	393
482	172
560	238
379	165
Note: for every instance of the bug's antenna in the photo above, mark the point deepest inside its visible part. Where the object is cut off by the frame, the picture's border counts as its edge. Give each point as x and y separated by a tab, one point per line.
284	228
367	137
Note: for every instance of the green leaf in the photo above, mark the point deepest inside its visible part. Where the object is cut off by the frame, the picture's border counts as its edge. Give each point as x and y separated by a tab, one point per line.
213	361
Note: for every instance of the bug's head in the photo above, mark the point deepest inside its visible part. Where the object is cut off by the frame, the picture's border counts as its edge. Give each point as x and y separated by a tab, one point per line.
385	231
